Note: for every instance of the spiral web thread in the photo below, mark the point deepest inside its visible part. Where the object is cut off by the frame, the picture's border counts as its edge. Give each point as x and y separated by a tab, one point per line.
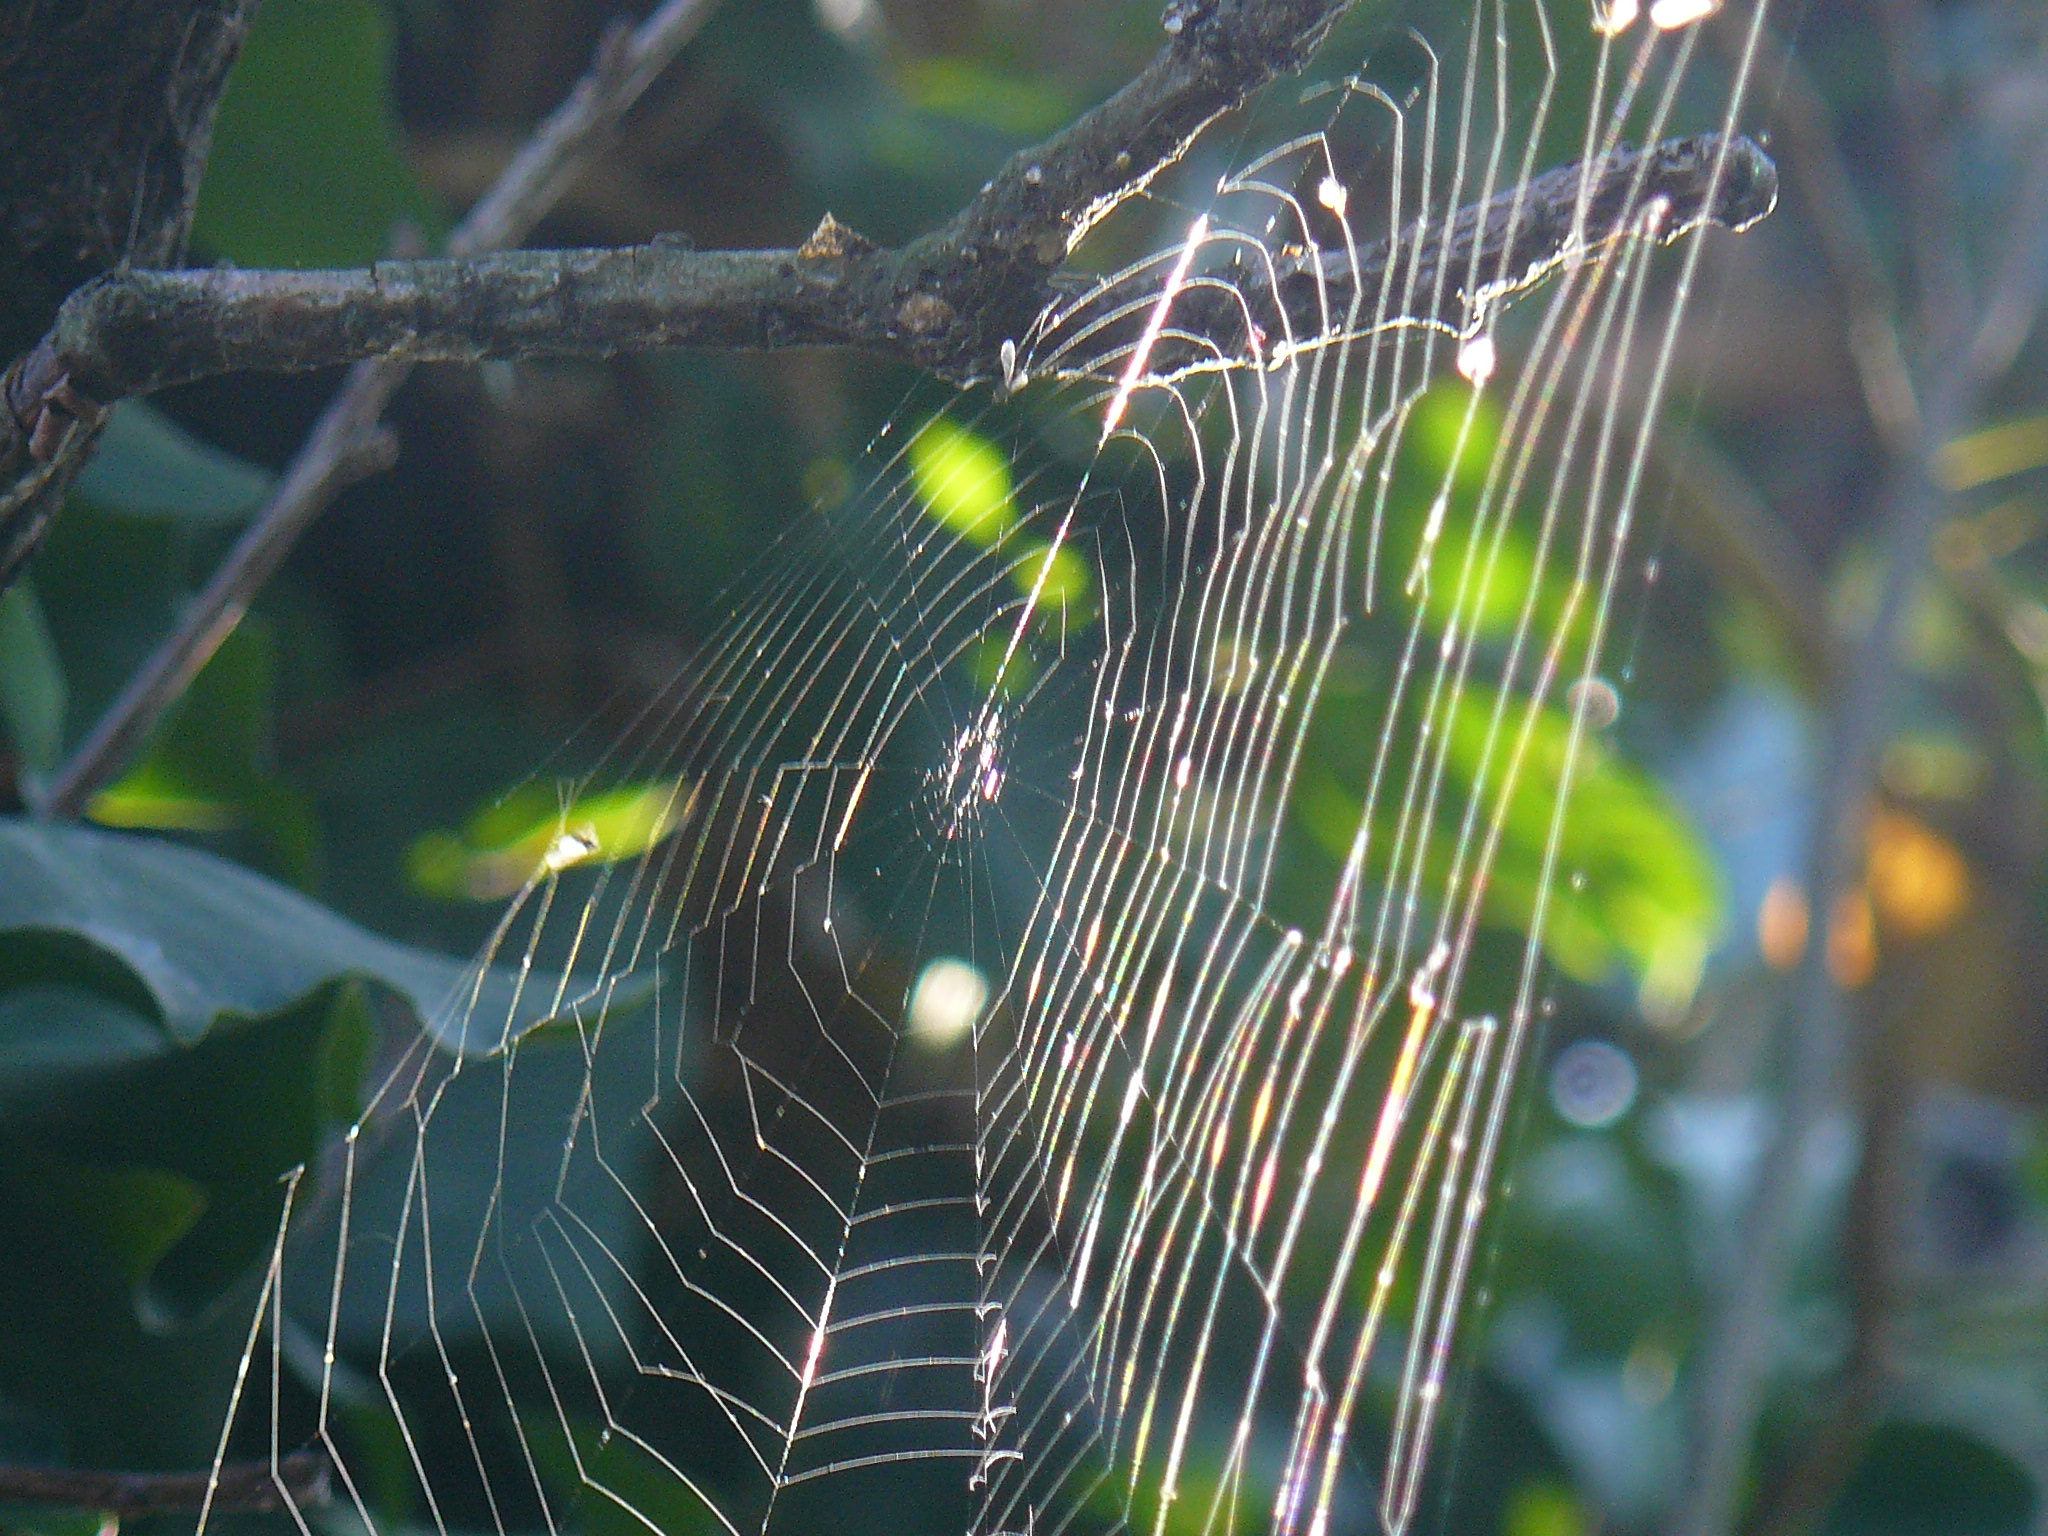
1177	1236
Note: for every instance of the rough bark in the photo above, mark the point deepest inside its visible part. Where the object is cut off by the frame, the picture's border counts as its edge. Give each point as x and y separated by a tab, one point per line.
106	115
133	332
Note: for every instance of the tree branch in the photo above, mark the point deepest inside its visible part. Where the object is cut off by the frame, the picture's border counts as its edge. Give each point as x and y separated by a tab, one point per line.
347	442
1735	1354
998	255
133	332
947	300
298	1480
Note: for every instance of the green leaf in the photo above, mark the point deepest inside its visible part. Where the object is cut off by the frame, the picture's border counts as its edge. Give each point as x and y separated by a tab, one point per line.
1545	1509
136	1215
306	169
57	1032
139	1189
1018	106
1477	576
1934	1480
211	767
1633	885
149	466
21	1520
617	1486
202	938
1060	582
531	833
1454	433
32	687
1633	882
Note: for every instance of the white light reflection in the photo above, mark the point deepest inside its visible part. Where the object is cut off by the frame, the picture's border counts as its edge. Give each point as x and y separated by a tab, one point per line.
946	1002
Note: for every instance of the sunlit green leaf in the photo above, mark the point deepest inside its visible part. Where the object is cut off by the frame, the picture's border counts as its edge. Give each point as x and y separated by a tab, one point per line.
1633	881
532	832
1476	574
1633	885
1482	586
211	766
151	796
998	669
1454	432
1059	583
1545	1509
962	88
964	481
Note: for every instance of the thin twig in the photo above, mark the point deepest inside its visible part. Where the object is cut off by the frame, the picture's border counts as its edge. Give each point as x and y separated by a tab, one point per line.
347	443
1807	139
298	1480
978	279
1798	1499
1734	1356
1925	151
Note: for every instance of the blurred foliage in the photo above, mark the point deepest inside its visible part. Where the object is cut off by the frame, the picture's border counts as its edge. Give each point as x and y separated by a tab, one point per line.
33	694
965	483
1633	888
149	466
178	1033
531	832
211	766
306	168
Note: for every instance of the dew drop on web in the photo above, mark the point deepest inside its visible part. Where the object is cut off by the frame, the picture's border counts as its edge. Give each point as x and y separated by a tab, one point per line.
1477	358
1670	15
1615	17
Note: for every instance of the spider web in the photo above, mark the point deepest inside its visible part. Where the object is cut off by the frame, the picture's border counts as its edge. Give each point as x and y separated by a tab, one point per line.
973	1111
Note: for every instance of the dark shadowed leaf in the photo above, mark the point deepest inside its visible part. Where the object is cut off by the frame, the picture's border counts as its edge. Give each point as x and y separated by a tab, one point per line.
149	466
201	937
32	687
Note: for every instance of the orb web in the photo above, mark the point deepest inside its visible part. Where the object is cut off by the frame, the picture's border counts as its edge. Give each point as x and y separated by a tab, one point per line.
1046	1069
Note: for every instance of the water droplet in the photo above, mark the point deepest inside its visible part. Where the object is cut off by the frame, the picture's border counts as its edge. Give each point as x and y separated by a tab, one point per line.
1669	15
1615	17
1477	359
